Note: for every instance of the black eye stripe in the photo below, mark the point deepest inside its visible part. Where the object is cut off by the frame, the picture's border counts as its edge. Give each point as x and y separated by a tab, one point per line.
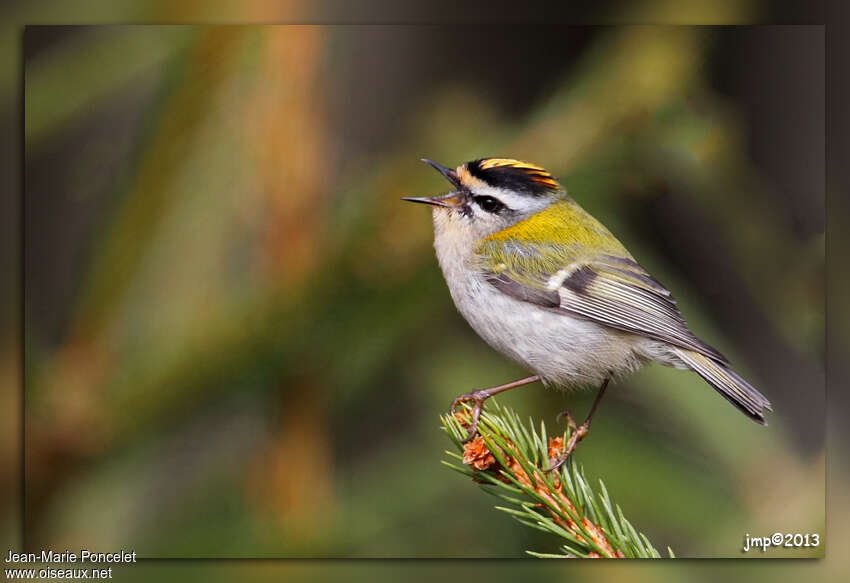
488	204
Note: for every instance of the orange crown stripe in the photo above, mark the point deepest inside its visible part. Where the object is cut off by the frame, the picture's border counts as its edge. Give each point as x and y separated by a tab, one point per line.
507	170
536	173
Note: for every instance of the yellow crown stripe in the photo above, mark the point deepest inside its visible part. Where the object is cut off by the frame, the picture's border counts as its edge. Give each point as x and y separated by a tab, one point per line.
510	162
534	172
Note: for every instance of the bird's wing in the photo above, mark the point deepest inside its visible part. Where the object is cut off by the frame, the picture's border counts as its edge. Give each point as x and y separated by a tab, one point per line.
605	285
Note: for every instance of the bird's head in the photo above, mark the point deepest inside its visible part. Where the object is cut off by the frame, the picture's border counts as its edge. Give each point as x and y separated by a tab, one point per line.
491	194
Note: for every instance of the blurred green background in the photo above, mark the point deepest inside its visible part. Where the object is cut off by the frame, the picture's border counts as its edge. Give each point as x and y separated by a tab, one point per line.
238	341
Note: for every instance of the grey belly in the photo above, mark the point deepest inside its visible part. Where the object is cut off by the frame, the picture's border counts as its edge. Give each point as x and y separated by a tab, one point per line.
563	350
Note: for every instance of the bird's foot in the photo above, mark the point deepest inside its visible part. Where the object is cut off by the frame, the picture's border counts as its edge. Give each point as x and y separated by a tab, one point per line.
478	397
578	433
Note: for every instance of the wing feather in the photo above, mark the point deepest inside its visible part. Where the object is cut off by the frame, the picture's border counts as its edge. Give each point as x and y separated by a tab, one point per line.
609	289
633	308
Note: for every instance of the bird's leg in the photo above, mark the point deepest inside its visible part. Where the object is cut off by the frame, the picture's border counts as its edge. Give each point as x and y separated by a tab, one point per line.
578	432
481	395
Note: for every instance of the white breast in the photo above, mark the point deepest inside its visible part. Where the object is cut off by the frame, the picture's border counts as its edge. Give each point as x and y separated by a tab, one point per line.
563	350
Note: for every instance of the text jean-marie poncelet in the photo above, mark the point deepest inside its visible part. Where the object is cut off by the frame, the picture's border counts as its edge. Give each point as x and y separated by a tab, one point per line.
84	556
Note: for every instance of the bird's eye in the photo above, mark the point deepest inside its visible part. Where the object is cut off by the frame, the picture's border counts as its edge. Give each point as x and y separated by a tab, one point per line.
488	204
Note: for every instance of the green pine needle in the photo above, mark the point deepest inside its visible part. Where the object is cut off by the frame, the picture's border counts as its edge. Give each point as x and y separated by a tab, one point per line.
507	459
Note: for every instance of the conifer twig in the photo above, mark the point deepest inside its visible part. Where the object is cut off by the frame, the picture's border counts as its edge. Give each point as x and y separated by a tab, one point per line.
508	459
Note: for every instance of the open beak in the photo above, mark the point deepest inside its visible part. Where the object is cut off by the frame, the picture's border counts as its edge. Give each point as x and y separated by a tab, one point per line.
449	174
449	200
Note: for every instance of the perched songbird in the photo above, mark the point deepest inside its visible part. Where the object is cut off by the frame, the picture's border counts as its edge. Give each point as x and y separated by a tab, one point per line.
548	286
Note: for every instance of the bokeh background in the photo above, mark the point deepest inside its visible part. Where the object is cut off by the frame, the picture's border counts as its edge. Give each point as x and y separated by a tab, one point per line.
751	125
238	341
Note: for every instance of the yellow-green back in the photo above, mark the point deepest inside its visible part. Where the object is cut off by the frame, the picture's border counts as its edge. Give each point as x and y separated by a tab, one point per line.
554	238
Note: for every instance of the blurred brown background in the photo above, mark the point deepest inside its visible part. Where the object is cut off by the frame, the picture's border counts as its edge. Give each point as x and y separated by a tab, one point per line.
116	438
238	340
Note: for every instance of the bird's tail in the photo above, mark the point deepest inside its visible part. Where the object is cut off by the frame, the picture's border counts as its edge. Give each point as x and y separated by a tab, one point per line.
726	382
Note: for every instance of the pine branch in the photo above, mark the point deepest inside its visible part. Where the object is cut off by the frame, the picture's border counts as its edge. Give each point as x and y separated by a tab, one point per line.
507	458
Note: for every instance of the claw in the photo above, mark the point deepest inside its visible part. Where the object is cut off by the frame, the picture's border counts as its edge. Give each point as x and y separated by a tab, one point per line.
478	397
558	463
576	436
571	423
481	395
578	432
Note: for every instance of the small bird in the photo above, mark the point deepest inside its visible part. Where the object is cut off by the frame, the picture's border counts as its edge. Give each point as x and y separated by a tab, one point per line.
548	286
